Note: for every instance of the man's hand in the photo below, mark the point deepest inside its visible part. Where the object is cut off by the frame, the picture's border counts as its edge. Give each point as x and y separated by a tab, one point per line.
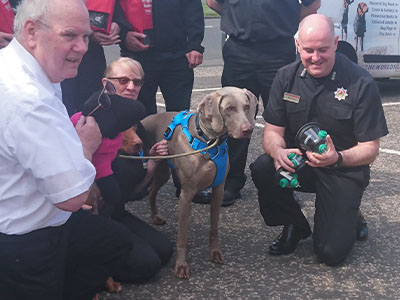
281	159
194	58
5	39
89	134
107	39
215	6
133	41
326	159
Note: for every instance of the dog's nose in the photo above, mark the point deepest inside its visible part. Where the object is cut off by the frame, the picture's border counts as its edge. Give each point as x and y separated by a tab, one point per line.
138	147
247	132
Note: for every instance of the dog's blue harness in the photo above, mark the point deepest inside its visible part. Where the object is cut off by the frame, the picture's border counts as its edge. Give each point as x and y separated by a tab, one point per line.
218	154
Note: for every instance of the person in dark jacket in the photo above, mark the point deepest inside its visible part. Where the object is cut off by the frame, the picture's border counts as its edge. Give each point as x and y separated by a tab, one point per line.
168	52
327	88
260	42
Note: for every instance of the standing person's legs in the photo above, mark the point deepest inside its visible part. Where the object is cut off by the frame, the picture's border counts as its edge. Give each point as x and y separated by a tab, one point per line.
147	96
336	214
78	89
96	249
176	84
241	75
70	93
90	73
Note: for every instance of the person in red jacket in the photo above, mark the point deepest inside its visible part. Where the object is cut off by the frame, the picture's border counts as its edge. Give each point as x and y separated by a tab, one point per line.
6	22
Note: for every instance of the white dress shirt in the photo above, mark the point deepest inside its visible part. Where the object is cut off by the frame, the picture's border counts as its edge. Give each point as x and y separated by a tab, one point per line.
41	156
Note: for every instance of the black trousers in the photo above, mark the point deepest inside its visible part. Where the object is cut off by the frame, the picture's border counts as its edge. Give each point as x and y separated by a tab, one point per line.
111	193
175	79
71	261
151	250
247	65
338	198
90	72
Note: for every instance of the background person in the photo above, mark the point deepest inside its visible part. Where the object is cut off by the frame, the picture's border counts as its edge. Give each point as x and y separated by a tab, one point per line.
344	100
168	52
260	42
90	72
49	249
6	21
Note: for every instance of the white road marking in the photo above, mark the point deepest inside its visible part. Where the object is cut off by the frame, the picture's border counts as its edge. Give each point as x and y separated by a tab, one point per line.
389	151
390	103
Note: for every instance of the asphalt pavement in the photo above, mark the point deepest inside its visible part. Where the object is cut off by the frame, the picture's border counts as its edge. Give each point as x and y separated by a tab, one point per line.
371	271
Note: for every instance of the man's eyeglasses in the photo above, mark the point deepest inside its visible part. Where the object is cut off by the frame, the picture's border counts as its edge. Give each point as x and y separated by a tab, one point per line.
125	80
104	100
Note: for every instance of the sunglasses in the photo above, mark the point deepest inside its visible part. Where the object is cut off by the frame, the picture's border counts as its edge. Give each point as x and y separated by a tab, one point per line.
104	100
125	80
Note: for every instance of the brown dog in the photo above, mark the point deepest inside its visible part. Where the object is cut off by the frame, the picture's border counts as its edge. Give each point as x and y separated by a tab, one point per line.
229	110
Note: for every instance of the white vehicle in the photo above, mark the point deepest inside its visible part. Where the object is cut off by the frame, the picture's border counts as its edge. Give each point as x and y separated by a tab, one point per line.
369	30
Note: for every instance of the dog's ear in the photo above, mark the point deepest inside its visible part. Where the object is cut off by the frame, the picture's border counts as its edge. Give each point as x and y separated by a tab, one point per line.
253	103
209	108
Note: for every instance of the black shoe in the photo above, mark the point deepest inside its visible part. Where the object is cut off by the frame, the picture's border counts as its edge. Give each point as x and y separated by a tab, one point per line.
202	197
287	241
230	197
362	227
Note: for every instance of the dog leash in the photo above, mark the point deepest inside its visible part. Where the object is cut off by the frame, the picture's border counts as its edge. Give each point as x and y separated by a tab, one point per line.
215	143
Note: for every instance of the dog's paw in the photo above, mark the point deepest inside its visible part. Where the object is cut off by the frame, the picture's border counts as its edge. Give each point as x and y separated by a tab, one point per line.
182	270
216	256
158	220
113	286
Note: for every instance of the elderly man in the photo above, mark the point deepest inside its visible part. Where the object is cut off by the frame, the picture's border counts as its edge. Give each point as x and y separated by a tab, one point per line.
327	88
49	248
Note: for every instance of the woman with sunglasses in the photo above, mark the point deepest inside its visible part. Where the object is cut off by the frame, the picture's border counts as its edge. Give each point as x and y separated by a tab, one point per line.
116	105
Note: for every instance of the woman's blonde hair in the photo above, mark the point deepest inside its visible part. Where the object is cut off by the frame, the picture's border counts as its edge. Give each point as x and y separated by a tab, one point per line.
129	62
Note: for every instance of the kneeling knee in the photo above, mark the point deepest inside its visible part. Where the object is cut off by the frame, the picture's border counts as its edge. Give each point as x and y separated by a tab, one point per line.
260	169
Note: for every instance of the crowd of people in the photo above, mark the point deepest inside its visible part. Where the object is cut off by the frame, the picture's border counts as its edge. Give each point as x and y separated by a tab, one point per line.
65	115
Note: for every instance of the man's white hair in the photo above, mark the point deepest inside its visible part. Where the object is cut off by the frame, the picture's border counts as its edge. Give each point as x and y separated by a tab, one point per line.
30	9
36	10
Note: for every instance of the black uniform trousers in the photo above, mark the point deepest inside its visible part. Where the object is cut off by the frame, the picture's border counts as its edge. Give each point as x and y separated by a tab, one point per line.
247	66
90	72
71	261
338	197
175	79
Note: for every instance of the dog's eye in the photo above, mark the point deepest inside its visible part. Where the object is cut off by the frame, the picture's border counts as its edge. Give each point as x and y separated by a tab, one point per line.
229	109
246	107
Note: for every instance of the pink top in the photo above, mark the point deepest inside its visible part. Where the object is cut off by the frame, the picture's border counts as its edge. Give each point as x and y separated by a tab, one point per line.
105	154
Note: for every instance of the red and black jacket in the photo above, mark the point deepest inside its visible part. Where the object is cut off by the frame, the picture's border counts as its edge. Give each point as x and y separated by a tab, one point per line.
6	17
178	28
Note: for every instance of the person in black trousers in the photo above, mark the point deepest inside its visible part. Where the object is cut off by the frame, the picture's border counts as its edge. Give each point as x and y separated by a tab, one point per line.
343	99
260	42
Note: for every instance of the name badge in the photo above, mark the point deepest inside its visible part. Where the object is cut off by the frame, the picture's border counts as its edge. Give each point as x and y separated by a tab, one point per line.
291	97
